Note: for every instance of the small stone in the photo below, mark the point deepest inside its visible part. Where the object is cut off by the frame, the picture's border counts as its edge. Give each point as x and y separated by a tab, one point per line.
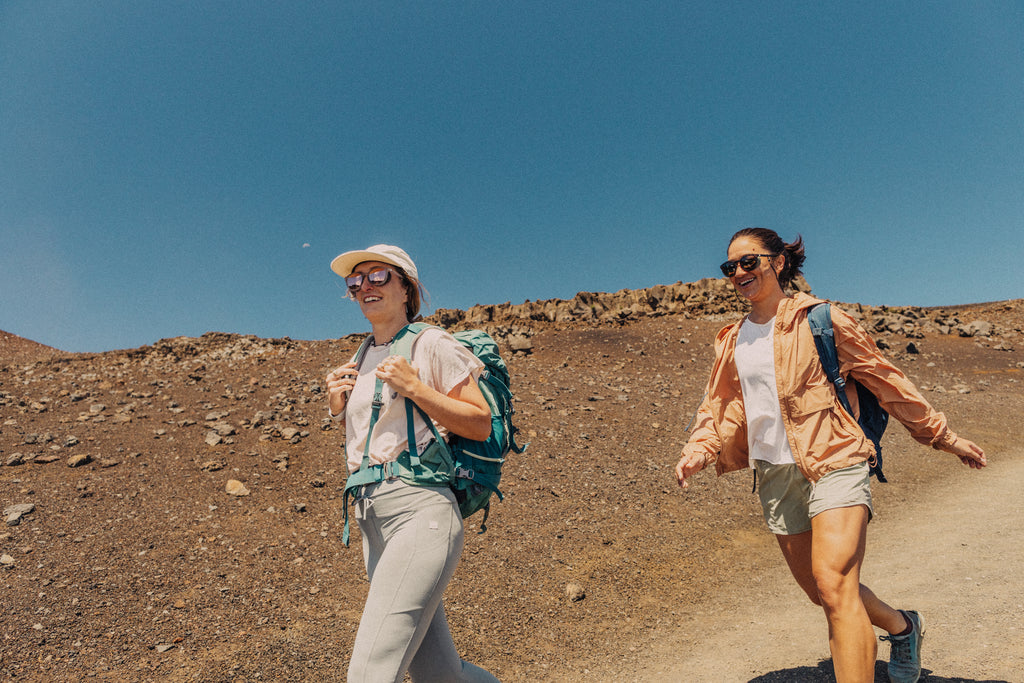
574	592
223	428
79	460
236	488
6	560
14	513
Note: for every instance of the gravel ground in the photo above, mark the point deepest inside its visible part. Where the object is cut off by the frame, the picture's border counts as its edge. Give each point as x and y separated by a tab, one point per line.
135	564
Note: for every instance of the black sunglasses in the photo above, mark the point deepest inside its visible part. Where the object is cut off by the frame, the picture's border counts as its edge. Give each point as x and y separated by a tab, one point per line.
378	277
747	262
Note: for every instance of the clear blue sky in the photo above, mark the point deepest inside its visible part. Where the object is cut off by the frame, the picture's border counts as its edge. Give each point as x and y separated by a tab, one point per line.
172	168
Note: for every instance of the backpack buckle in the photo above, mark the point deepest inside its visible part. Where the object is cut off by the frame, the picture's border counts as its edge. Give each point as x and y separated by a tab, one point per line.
464	473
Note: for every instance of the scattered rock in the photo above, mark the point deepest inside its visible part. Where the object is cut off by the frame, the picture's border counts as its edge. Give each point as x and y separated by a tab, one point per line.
79	460
14	513
223	428
520	343
574	592
235	488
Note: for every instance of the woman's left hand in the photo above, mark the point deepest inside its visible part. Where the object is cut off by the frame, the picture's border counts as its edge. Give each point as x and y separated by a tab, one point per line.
396	372
969	453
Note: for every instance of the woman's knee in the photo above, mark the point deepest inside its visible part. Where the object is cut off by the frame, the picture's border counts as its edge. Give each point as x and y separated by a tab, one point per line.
835	589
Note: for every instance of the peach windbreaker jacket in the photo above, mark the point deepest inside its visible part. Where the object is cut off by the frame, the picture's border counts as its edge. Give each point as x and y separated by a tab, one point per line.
821	433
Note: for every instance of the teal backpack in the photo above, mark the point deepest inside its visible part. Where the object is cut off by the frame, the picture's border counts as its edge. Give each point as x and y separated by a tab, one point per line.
471	468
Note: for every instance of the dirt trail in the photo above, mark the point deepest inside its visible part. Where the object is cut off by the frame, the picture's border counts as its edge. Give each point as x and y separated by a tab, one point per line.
963	570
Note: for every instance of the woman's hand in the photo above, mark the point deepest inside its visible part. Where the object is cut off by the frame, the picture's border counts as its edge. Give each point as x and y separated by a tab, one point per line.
463	411
340	383
689	465
969	453
396	372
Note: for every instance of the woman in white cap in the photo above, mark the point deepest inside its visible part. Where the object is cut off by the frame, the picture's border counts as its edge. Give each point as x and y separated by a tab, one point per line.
412	534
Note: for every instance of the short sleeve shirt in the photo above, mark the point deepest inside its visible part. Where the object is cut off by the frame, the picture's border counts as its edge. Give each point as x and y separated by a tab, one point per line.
443	363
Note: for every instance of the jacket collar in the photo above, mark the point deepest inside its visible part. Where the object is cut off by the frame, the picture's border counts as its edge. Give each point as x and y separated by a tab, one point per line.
788	314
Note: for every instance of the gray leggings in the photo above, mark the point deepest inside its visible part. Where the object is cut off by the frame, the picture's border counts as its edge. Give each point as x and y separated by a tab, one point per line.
412	541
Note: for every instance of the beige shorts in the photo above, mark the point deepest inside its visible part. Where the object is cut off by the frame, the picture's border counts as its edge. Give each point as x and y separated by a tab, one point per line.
790	501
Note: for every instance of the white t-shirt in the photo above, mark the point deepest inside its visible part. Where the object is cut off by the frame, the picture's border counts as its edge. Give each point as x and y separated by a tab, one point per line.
443	363
755	362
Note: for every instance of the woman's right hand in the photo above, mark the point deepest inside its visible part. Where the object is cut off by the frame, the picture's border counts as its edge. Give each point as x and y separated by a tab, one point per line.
340	383
689	465
969	453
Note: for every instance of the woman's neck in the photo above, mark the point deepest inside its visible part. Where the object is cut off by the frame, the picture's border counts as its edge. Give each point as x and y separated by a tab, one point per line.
383	333
765	309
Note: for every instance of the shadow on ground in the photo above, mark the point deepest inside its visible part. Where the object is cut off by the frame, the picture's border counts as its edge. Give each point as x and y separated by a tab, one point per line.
823	673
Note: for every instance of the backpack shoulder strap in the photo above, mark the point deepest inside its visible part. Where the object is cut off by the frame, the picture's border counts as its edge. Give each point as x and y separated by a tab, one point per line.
819	317
402	345
360	353
403	342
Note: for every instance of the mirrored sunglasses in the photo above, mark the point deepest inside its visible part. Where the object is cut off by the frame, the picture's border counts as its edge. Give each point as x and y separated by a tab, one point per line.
378	277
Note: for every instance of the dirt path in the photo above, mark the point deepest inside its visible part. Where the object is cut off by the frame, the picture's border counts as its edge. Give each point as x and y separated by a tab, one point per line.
964	572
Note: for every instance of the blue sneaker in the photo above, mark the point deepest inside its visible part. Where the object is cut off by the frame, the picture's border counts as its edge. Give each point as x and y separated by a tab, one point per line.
905	651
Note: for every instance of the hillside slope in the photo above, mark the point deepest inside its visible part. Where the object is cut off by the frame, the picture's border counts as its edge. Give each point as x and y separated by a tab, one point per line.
135	564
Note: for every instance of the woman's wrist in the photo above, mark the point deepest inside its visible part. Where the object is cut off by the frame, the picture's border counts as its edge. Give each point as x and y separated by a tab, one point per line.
336	415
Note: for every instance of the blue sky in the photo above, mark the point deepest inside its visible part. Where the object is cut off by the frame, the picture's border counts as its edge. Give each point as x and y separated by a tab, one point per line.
173	168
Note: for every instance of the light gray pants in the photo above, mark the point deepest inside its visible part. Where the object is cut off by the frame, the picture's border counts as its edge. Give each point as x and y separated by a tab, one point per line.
412	541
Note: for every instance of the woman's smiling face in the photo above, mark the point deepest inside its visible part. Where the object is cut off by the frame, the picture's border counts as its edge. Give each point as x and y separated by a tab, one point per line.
761	280
381	302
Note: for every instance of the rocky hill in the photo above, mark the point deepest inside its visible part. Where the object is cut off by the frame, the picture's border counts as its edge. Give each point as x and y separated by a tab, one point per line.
173	512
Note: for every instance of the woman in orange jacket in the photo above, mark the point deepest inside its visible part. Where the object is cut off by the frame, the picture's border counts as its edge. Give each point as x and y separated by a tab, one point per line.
770	406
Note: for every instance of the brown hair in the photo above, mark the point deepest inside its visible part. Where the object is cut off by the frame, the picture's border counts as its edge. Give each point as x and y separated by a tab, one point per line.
773	244
414	291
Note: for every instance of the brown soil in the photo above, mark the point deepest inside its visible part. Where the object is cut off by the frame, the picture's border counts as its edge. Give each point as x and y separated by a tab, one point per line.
138	566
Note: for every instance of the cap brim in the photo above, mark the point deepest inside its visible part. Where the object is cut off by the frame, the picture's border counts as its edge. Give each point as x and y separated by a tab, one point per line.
344	264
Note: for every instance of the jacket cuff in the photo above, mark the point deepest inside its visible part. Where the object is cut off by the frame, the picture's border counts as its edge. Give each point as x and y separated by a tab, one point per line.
944	441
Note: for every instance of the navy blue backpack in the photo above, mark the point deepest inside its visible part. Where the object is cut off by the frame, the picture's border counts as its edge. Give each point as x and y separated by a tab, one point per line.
873	418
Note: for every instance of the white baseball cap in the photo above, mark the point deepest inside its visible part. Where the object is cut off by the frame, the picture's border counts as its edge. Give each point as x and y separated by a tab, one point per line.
345	263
